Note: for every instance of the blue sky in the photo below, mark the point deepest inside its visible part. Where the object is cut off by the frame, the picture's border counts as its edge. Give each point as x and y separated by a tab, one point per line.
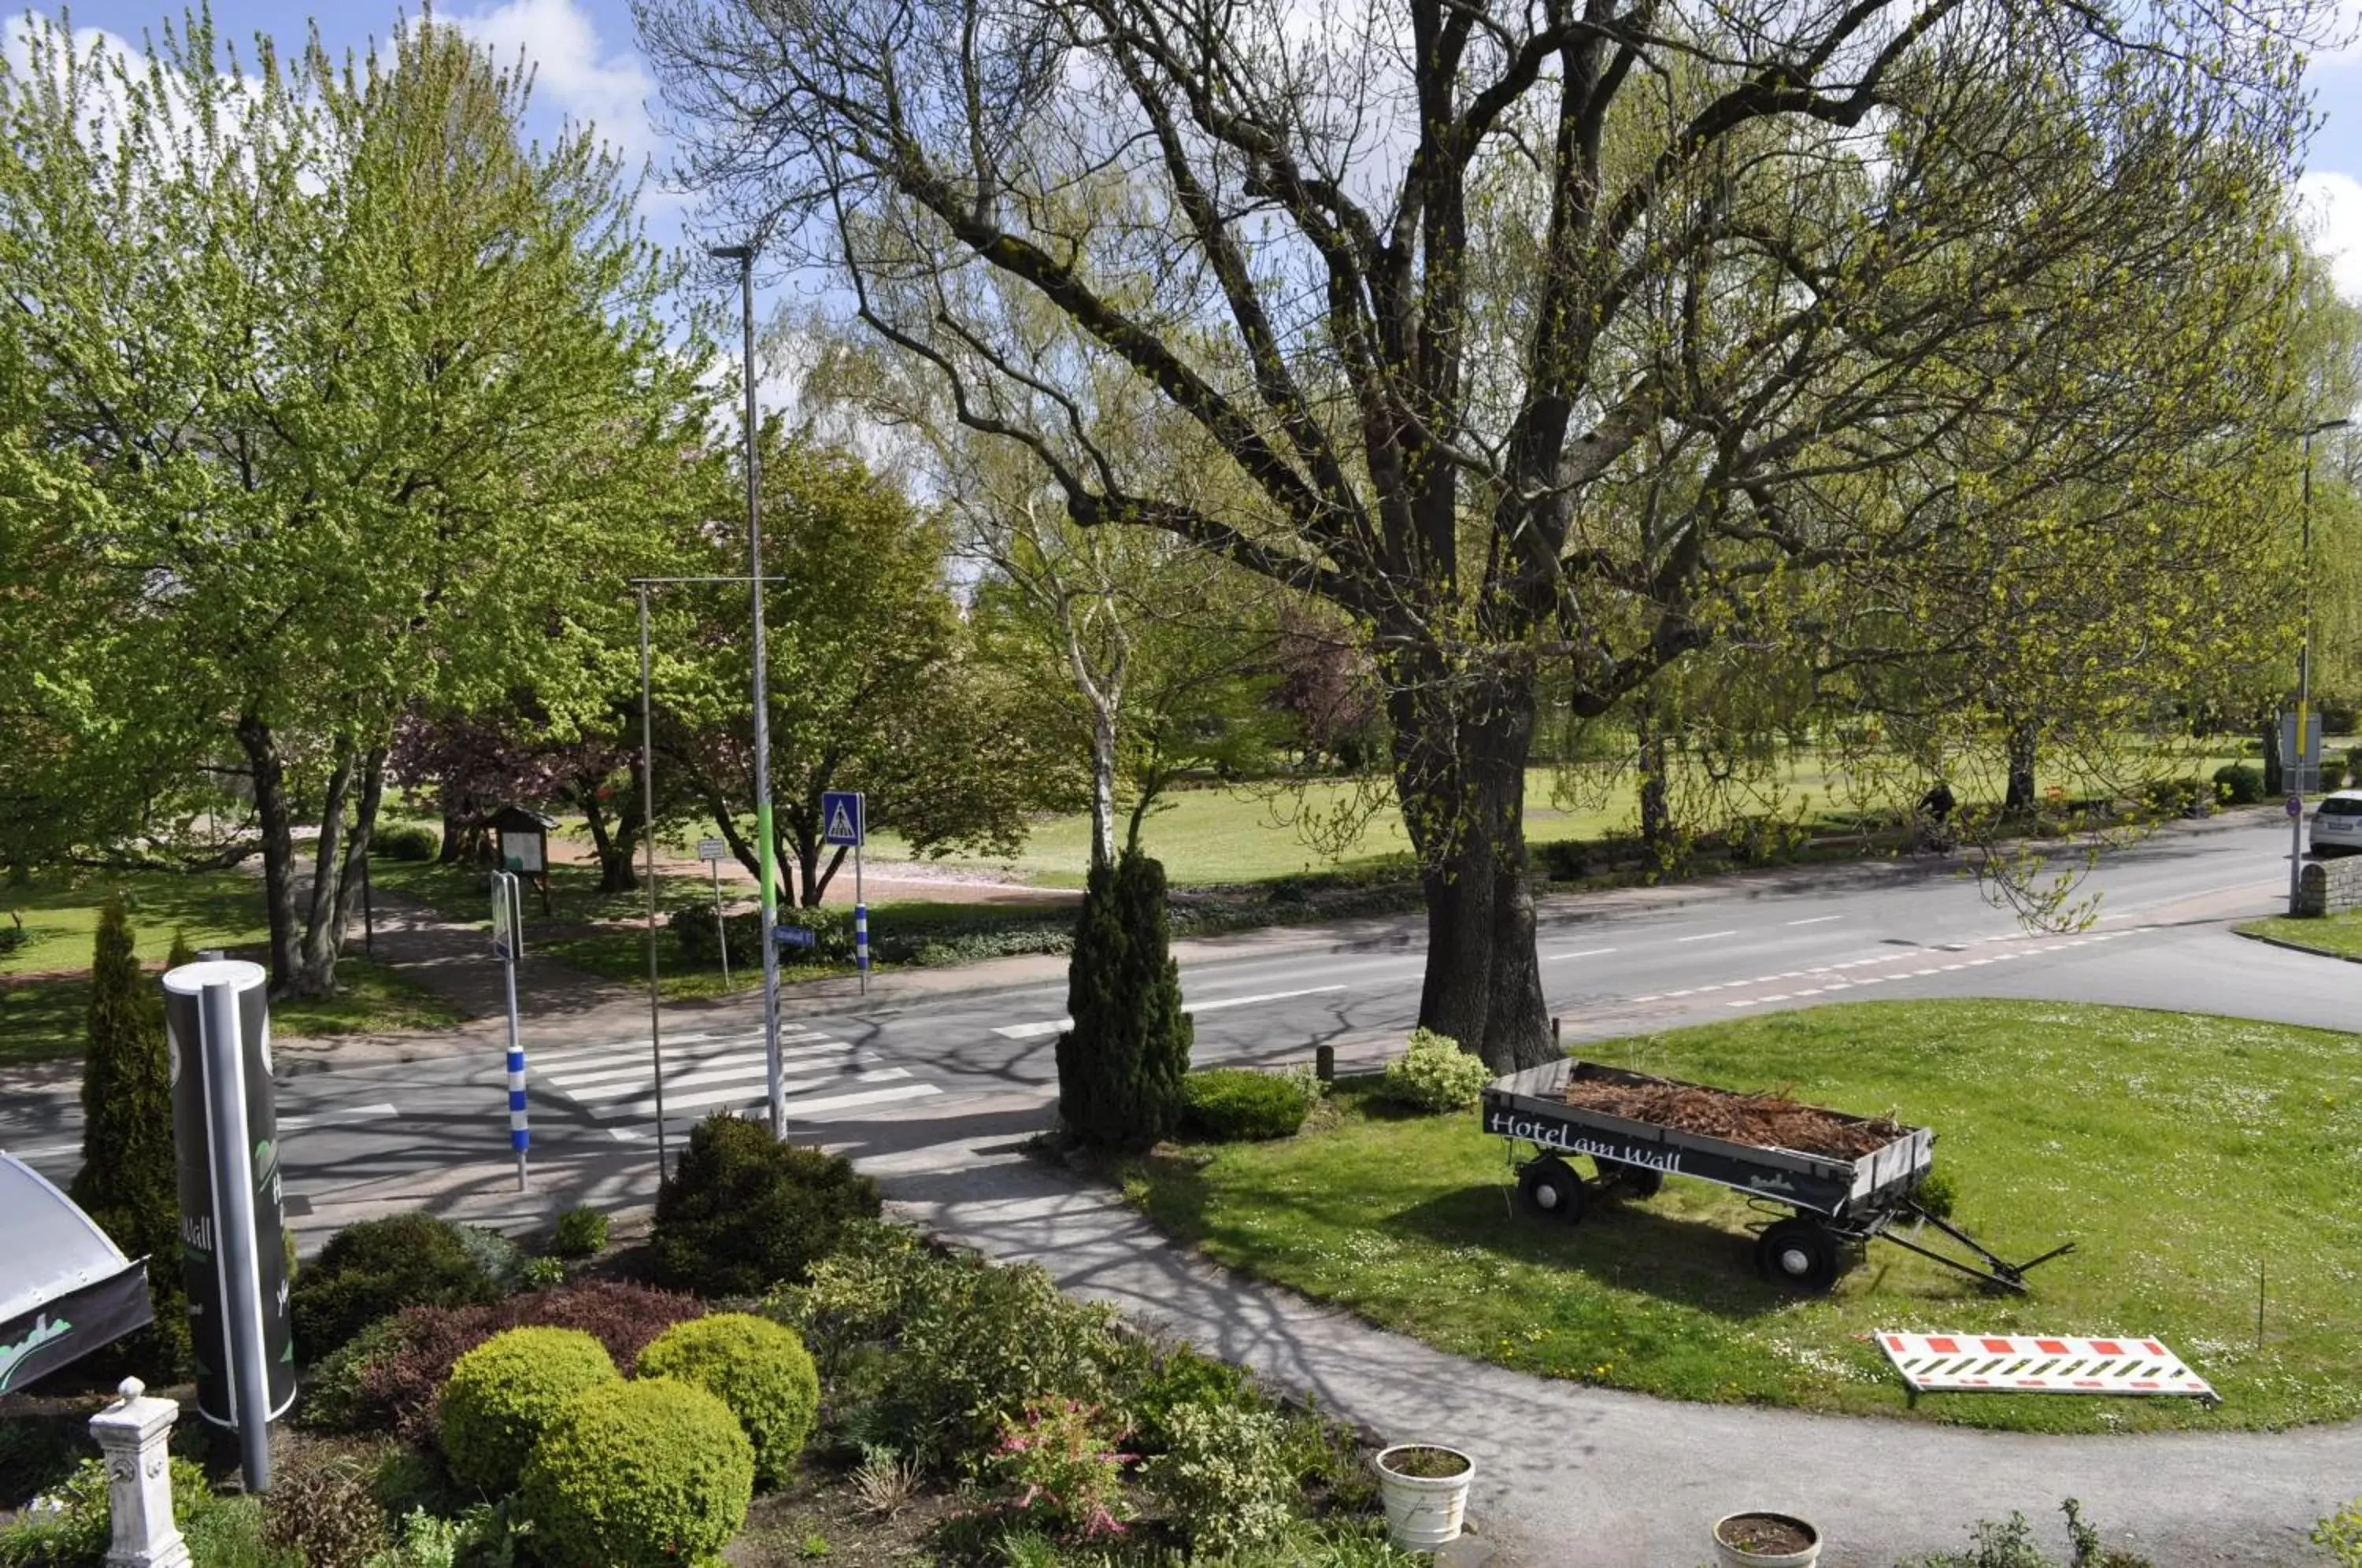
590	69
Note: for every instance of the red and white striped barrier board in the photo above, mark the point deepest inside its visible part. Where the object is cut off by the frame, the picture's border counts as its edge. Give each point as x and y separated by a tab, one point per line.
2036	1363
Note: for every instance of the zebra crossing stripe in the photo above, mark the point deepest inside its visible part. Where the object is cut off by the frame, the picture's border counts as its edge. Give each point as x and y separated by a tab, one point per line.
571	1081
2039	1363
618	1049
801	1100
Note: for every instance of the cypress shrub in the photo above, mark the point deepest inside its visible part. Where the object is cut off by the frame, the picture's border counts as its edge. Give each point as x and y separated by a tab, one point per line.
1121	1063
128	1182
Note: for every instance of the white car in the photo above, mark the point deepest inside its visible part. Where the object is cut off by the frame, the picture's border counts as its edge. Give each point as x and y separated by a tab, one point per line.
2337	822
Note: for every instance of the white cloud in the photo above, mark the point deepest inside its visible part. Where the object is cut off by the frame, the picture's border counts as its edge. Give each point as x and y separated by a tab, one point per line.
606	89
2332	208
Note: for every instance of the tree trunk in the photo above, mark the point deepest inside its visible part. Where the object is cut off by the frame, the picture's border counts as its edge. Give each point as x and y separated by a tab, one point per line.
316	973
1462	783
272	815
454	837
1656	809
2019	793
2275	774
1102	784
615	850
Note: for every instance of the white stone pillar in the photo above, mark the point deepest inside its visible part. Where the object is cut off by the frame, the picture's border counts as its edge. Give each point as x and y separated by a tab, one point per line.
133	1432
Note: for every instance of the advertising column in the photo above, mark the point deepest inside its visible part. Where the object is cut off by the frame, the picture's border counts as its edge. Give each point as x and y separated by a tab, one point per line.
225	1129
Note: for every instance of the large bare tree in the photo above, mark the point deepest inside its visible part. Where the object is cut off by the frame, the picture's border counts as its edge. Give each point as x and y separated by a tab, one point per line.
1452	285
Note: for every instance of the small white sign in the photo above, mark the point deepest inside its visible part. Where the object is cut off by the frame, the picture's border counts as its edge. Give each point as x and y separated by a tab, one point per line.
712	849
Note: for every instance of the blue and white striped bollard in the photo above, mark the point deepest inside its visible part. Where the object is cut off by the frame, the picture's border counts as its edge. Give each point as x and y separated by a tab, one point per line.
861	936
520	1135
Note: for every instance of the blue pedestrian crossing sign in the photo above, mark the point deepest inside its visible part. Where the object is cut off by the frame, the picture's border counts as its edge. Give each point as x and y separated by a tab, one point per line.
840	816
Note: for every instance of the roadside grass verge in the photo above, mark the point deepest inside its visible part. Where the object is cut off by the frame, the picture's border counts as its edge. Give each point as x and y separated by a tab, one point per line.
2181	1153
2337	935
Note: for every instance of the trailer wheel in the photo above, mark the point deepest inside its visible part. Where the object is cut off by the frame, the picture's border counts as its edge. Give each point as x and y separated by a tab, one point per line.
1550	1188
1800	1252
1638	1181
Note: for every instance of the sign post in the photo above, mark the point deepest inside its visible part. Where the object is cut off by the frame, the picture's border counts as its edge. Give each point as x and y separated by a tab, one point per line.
225	1127
713	851
508	944
844	819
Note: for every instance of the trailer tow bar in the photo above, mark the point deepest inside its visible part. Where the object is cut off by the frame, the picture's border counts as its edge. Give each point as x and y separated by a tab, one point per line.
1997	1271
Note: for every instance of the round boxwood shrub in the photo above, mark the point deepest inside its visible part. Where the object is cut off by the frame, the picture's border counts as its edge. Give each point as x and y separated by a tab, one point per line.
743	1212
504	1392
1231	1105
380	1266
2236	784
644	1474
408	842
758	1368
1435	1074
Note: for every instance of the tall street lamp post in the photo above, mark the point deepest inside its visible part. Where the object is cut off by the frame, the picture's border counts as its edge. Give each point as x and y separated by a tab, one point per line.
745	256
2304	669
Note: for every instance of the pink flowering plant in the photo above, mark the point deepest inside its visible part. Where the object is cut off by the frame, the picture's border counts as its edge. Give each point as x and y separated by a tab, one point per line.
1062	1468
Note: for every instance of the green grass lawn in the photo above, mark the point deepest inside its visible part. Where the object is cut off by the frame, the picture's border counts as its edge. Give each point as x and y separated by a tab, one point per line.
2340	934
2179	1152
1213	835
44	989
216	908
42	1020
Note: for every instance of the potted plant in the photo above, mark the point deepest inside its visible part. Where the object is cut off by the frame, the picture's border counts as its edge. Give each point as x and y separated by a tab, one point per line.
1758	1538
1424	1488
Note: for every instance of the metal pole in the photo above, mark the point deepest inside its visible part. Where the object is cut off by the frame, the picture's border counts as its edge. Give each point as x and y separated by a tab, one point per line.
648	858
520	1133
2303	687
232	1159
721	927
745	256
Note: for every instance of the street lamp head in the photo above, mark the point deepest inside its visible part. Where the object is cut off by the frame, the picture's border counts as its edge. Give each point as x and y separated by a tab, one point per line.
730	252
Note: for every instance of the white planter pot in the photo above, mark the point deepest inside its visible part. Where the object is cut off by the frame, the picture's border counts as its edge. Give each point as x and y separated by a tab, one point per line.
1728	1556
1424	1512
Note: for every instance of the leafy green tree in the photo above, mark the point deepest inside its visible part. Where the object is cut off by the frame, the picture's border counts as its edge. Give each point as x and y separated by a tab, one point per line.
1153	658
1448	295
873	681
127	1181
1122	1062
377	398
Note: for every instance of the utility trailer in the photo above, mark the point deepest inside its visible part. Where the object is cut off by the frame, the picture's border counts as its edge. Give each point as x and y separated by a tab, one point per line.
1834	1206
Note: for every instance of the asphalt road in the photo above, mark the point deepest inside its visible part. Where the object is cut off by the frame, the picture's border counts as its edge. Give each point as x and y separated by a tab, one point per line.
953	1063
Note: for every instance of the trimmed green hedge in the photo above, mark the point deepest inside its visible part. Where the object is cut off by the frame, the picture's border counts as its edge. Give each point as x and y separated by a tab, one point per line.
645	1475
1236	1105
758	1368
501	1395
